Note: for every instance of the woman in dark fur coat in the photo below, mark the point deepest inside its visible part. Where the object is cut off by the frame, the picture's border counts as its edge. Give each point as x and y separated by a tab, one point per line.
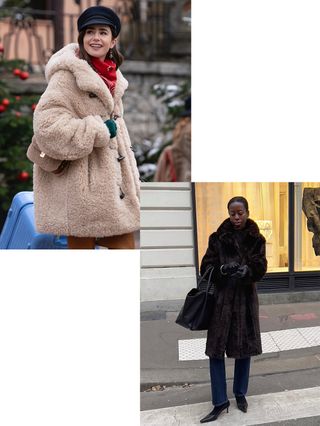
237	253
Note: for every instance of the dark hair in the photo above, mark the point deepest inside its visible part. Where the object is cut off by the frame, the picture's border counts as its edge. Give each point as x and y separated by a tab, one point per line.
116	55
239	199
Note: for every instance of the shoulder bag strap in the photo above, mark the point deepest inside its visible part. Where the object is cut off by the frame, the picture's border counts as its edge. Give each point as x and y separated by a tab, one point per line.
209	271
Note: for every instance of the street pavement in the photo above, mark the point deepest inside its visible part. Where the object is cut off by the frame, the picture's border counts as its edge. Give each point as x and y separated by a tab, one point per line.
176	392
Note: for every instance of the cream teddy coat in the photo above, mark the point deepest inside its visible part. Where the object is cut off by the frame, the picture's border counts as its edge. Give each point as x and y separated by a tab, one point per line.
97	194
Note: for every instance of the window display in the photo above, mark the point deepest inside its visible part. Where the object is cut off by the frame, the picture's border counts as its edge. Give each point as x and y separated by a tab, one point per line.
268	206
307	226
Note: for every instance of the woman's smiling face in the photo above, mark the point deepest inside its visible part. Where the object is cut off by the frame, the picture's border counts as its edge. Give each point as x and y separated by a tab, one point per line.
98	40
238	215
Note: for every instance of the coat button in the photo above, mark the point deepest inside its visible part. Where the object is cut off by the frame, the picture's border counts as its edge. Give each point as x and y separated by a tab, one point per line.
120	158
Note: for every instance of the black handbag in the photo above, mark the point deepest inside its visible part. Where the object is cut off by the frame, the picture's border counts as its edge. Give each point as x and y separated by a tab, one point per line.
197	309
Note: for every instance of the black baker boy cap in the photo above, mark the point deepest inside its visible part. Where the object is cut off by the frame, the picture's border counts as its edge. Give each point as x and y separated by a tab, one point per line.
99	15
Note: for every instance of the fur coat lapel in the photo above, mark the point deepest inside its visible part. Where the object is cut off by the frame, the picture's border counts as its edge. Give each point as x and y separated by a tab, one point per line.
226	236
87	79
225	230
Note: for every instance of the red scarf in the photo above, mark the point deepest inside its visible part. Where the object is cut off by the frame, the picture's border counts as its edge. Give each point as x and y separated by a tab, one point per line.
107	71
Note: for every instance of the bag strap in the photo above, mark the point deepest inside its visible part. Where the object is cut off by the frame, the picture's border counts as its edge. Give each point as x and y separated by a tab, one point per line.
209	284
210	272
206	273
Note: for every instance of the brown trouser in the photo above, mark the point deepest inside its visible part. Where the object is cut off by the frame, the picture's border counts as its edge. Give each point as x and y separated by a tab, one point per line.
124	241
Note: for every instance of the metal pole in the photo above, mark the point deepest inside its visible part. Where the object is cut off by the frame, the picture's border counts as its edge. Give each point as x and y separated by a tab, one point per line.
291	242
58	25
298	226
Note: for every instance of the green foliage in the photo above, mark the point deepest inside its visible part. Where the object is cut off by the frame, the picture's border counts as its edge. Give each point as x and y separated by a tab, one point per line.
15	136
16	3
9	65
173	96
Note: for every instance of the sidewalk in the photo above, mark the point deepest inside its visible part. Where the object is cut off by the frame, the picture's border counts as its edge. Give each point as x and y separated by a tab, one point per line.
291	362
160	362
263	409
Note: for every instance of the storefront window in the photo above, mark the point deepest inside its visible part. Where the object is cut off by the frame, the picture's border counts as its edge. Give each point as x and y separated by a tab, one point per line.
268	204
307	226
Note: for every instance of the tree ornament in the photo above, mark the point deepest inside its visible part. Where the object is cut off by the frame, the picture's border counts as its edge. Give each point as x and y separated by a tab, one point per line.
16	72
24	75
23	176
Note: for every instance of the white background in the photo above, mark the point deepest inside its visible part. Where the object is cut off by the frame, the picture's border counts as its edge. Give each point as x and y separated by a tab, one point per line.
255	90
69	321
69	338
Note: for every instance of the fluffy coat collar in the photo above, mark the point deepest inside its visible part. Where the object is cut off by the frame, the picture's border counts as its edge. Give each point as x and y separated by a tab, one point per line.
226	231
86	78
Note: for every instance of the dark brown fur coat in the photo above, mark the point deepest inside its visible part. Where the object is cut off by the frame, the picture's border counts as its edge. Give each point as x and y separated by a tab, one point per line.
234	327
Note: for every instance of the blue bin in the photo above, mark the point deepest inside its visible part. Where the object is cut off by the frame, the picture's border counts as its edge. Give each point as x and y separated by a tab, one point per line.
19	231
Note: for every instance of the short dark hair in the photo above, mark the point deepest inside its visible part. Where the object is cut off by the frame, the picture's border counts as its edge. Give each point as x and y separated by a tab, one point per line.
116	55
239	199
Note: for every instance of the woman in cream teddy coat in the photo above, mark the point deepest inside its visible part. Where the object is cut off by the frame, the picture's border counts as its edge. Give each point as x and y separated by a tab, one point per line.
96	194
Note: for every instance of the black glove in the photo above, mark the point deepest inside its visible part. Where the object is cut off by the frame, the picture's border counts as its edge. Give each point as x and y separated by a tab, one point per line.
229	268
241	272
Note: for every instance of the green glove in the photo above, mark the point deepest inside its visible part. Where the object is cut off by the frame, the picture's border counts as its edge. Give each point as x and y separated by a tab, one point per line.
112	126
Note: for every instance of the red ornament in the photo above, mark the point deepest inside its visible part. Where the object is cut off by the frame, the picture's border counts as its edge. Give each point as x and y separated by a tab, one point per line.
5	102
16	72
18	98
1	48
23	176
33	107
2	108
24	75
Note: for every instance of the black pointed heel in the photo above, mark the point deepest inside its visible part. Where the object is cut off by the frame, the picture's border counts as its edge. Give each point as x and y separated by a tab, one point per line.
215	413
242	403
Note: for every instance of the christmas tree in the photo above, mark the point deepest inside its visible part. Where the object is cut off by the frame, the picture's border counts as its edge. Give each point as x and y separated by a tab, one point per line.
15	134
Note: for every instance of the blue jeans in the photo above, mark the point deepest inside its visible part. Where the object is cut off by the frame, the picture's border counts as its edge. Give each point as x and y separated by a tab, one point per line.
219	382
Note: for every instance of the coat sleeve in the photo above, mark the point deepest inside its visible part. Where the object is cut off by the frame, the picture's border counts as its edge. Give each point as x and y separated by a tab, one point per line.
212	258
181	150
257	261
60	133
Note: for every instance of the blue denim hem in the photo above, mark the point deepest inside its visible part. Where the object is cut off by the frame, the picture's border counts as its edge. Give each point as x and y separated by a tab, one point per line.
218	405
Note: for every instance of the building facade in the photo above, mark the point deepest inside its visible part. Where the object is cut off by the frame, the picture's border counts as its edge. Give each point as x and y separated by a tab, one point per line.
152	30
285	213
167	244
